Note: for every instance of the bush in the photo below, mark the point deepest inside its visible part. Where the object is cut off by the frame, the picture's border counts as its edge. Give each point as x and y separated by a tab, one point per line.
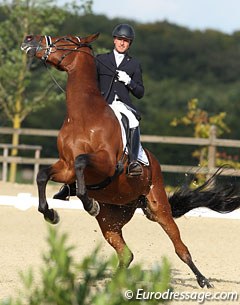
93	281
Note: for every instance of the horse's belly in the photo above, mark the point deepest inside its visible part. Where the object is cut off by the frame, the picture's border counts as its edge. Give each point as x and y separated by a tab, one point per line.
120	196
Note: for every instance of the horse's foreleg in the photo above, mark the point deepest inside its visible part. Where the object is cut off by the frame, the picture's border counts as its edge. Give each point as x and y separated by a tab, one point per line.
161	212
90	205
50	215
111	219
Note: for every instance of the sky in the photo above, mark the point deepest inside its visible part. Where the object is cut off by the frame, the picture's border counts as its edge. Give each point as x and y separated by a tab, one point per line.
221	15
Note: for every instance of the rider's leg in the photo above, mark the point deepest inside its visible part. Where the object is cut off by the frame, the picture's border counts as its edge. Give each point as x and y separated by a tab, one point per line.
66	191
134	167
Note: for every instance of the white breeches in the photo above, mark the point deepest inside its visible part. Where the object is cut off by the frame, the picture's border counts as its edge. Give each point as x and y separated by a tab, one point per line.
119	107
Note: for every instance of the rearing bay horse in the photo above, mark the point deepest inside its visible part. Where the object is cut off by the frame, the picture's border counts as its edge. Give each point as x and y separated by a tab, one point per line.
91	152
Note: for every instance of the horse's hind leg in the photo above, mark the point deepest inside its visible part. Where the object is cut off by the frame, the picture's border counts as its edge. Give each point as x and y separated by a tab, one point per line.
43	177
111	219
161	212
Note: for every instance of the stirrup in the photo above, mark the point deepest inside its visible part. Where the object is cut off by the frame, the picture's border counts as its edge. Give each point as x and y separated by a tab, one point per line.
65	192
134	169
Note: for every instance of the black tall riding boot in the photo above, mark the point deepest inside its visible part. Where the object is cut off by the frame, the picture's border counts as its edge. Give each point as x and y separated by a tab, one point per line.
66	191
134	167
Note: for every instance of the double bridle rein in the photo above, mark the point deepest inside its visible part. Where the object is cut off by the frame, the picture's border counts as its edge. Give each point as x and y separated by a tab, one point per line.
53	47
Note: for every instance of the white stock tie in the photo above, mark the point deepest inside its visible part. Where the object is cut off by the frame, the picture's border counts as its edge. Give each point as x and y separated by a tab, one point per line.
118	57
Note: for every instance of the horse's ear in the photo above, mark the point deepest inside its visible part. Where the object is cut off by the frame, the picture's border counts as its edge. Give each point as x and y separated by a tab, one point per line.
90	38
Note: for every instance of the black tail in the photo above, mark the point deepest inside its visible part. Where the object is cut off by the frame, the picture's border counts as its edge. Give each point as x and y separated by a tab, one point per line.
219	198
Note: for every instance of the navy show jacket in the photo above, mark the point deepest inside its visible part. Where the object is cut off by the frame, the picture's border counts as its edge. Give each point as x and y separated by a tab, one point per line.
109	84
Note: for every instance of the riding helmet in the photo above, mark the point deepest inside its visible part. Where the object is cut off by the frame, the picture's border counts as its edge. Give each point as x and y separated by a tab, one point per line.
124	30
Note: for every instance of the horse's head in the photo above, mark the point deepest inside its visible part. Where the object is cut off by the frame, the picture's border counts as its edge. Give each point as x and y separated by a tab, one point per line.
55	50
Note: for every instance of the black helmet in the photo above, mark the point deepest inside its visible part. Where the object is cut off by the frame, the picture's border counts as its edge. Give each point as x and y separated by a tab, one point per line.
124	31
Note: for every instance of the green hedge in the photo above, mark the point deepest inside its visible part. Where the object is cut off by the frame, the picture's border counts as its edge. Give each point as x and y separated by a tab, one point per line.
92	281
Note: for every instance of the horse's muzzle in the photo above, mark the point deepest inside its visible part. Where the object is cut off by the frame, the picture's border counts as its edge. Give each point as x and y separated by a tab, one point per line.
30	51
30	45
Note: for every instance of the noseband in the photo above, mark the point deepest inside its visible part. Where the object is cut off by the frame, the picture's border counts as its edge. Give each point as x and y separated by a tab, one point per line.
48	48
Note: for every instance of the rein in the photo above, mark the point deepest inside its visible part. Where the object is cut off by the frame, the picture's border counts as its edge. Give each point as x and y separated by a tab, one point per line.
50	46
53	78
49	49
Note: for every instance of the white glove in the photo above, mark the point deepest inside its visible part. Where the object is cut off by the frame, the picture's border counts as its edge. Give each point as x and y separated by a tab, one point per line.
123	77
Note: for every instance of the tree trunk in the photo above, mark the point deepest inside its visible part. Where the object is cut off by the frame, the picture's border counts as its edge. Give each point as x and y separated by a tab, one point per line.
14	152
17	118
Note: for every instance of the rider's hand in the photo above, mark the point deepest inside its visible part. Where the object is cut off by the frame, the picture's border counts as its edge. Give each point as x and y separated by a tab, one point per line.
123	77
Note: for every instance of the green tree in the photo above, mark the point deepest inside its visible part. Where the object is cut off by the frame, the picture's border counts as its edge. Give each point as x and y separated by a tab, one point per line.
201	122
19	94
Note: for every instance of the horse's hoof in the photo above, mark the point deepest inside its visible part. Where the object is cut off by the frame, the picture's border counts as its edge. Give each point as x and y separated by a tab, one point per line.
52	217
95	208
204	282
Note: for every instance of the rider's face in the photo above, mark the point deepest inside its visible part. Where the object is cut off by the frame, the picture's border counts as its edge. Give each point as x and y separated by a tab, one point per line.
121	44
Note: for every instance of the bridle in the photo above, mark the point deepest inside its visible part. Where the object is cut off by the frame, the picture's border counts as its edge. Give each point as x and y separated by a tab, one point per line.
51	47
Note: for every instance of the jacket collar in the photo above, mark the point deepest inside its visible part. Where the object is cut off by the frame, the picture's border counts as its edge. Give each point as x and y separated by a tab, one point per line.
125	60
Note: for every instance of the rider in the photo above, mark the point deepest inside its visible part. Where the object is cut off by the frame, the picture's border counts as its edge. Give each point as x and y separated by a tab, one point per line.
118	75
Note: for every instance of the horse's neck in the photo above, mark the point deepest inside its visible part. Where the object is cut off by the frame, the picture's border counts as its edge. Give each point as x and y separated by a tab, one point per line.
82	90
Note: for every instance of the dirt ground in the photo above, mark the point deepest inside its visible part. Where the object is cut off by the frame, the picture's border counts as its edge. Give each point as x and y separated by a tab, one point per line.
213	243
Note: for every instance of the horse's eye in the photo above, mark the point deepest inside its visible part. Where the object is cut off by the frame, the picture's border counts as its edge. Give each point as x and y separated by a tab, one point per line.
29	38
